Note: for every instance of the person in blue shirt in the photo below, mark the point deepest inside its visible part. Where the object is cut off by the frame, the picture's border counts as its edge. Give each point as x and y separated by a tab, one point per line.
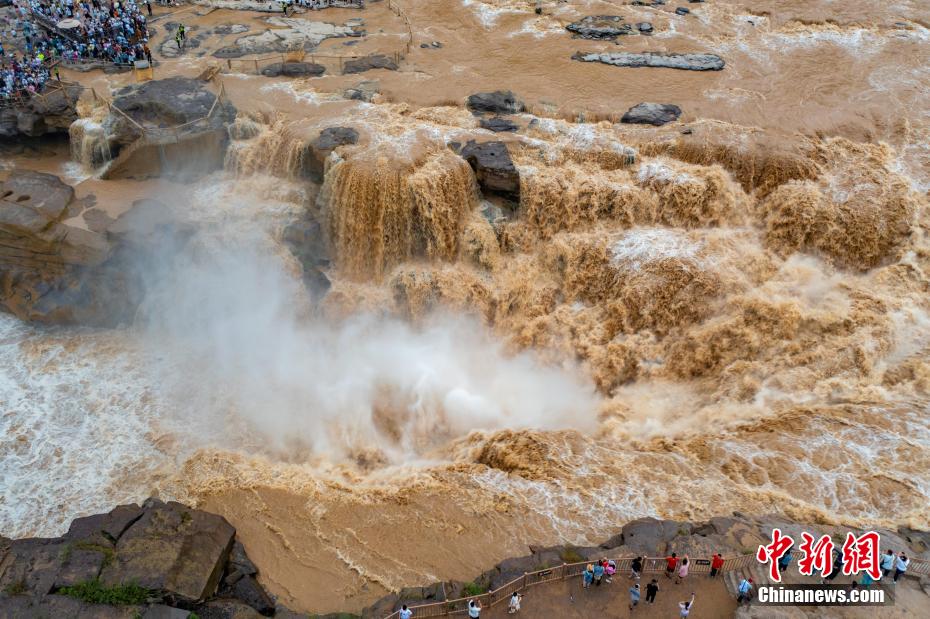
634	596
598	574
588	576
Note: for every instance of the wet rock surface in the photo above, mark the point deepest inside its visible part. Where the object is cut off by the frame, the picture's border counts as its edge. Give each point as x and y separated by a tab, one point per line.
497	102
181	113
656	114
600	27
360	65
319	148
294	69
498	124
52	112
493	167
685	62
186	560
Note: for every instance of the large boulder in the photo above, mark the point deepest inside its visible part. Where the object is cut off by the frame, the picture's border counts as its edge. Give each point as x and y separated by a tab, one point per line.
175	126
316	152
174	549
360	65
177	555
656	114
687	62
600	27
51	112
294	69
497	102
493	167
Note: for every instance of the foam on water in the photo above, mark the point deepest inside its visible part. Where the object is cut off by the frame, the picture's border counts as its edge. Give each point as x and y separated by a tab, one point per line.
78	429
639	246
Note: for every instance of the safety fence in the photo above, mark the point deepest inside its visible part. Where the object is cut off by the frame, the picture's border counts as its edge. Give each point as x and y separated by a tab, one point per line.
651	565
50	89
330	61
164	135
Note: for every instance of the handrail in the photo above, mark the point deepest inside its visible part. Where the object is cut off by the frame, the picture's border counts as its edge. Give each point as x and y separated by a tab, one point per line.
567	570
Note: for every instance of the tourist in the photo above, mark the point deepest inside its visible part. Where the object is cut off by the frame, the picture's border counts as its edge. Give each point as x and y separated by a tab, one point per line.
636	569
651	590
634	596
682	570
685	607
611	570
887	562
900	566
588	576
515	600
866	580
405	613
474	609
671	562
598	573
716	564
745	590
148	6
182	32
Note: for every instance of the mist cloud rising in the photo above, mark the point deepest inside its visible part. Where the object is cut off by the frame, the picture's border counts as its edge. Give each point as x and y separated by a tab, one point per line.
248	364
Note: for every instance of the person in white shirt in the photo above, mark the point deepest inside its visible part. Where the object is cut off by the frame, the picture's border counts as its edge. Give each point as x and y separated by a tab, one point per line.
900	566
474	609
685	607
887	562
405	613
514	602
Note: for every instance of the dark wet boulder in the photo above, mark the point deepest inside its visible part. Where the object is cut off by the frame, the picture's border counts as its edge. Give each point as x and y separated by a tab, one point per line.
294	69
248	591
644	27
493	167
656	114
360	65
318	150
682	10
497	102
498	124
600	27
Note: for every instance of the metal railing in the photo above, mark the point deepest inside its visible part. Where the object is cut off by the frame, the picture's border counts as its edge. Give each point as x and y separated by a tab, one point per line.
651	565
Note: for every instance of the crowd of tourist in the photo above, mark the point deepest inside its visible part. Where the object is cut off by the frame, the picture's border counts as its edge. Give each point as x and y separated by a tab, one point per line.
96	30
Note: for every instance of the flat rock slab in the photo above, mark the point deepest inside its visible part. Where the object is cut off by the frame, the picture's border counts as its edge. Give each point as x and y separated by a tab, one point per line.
294	69
656	114
175	549
368	63
686	62
600	27
498	124
46	193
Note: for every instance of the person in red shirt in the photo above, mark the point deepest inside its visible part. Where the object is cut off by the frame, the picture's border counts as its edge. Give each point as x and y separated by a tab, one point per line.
716	563
670	564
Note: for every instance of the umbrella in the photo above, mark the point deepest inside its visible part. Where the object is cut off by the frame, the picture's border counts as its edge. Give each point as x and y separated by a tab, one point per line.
66	24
